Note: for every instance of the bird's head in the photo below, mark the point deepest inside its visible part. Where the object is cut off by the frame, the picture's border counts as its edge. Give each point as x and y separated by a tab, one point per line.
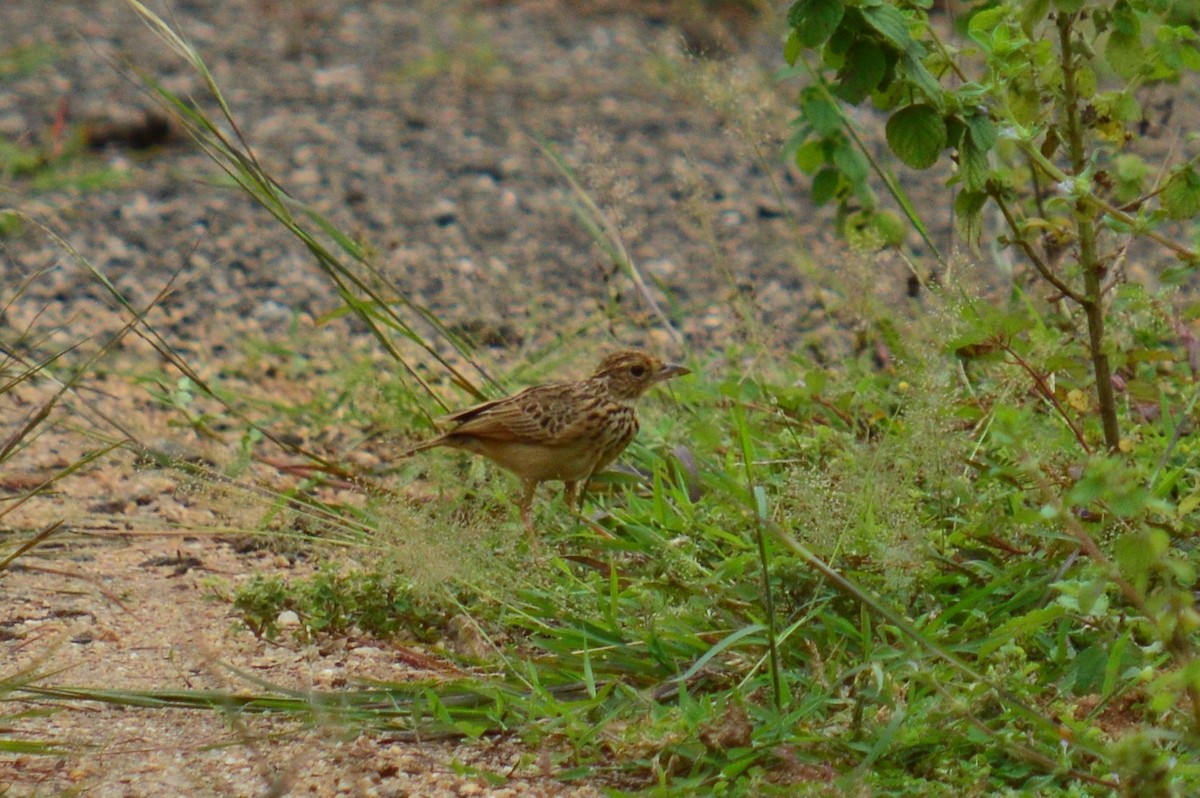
629	373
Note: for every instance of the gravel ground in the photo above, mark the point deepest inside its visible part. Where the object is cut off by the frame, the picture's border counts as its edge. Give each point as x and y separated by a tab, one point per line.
411	125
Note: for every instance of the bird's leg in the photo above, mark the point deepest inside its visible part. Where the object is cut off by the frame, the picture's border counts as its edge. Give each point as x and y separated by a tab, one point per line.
526	506
575	491
574	495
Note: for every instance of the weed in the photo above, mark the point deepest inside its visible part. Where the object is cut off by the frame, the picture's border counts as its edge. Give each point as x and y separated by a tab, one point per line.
927	569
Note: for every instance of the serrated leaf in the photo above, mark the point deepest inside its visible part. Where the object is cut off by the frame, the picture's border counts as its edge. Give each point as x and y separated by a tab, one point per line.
914	69
973	164
968	212
851	162
1130	167
917	135
822	115
814	21
1180	195
1024	102
983	132
983	24
889	23
861	72
1127	108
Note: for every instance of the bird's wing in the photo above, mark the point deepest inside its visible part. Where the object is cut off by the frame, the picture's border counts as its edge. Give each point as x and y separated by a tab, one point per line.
548	414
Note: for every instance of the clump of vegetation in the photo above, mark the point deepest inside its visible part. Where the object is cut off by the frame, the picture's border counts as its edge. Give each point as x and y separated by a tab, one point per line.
1021	106
960	562
335	601
1086	468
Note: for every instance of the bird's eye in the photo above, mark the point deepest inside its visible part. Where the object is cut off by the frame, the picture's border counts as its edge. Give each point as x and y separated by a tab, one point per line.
638	371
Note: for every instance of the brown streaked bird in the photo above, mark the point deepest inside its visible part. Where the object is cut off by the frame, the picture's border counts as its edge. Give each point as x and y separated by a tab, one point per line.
562	430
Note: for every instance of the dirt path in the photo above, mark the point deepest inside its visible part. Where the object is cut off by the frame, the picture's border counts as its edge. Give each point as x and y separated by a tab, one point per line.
116	611
411	125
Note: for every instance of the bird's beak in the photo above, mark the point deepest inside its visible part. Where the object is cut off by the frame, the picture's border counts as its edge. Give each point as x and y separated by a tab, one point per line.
670	370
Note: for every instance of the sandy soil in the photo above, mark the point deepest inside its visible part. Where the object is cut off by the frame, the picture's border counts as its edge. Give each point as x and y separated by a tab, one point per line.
414	129
413	126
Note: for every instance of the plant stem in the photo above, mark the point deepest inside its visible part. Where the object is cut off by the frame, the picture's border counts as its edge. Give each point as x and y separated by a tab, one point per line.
1042	388
1093	270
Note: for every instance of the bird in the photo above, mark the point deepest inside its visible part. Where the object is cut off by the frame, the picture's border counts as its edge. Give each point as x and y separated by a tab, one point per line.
564	431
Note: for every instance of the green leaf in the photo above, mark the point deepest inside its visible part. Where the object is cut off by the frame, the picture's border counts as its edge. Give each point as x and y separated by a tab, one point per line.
983	25
1024	102
1131	173
890	227
1189	57
1124	20
814	21
968	210
917	135
912	66
983	132
1138	552
850	31
852	163
861	72
1126	108
956	129
825	185
1181	194
792	48
1033	12
1022	626
1085	81
821	114
1086	671
801	134
889	23
810	156
973	164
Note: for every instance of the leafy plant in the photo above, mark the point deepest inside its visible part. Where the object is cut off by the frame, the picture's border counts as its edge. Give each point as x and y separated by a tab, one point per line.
843	565
1038	108
333	601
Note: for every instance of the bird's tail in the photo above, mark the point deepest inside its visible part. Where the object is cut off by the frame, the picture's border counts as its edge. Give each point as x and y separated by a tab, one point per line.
420	447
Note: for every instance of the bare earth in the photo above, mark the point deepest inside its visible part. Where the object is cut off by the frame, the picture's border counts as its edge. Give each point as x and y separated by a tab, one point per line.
412	126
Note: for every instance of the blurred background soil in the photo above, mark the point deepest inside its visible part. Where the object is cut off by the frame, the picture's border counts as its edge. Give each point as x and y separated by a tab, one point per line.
414	127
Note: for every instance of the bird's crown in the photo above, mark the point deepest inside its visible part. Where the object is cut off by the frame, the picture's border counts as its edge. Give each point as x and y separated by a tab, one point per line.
627	374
